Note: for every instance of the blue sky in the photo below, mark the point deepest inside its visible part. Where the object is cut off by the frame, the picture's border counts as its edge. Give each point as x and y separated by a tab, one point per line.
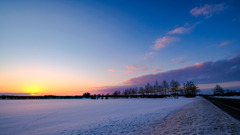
95	43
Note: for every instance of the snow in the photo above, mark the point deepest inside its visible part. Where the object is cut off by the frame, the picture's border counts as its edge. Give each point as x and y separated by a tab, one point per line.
230	97
118	116
115	116
199	117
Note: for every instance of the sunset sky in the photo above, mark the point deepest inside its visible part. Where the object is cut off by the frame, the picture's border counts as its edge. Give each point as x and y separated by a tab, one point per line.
68	47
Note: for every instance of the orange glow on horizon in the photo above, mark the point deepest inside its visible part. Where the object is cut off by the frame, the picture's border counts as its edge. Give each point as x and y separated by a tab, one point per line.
44	81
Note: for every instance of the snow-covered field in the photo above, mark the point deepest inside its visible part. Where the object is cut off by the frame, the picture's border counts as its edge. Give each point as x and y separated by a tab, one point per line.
113	116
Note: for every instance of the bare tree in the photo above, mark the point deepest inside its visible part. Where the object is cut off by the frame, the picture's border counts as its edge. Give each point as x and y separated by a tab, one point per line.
190	89
126	92
165	86
174	86
116	93
142	91
218	90
148	88
156	87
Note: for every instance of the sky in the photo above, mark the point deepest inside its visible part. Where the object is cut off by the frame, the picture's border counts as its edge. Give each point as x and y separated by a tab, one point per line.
67	47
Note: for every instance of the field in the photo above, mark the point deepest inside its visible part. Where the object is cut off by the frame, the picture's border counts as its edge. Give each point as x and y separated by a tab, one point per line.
114	116
84	116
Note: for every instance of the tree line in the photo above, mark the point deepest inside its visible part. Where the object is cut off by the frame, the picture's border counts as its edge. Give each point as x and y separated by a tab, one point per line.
156	90
219	91
173	88
162	89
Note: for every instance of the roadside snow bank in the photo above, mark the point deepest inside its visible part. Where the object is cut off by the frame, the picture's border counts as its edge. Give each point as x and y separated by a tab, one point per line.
230	97
199	117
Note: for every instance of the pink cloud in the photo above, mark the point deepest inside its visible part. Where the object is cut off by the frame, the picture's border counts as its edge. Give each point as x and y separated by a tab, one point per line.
179	60
208	10
129	72
152	70
131	67
112	70
157	69
187	28
145	69
163	42
179	30
224	43
199	64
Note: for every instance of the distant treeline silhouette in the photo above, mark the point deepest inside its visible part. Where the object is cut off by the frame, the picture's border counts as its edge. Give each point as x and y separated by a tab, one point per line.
219	91
174	88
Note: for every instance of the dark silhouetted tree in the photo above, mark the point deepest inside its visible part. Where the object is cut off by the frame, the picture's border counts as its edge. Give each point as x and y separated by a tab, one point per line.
174	86
161	90
94	96
156	87
126	92
86	95
116	93
218	90
148	88
141	91
107	95
190	89
165	86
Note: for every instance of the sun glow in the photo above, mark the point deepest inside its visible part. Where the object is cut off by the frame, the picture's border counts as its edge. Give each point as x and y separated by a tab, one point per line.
33	90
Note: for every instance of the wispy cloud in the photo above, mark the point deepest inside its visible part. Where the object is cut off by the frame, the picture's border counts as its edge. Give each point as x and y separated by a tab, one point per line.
199	64
179	60
187	28
157	69
224	43
167	40
113	70
208	10
129	72
147	55
134	69
152	69
179	30
131	67
163	42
